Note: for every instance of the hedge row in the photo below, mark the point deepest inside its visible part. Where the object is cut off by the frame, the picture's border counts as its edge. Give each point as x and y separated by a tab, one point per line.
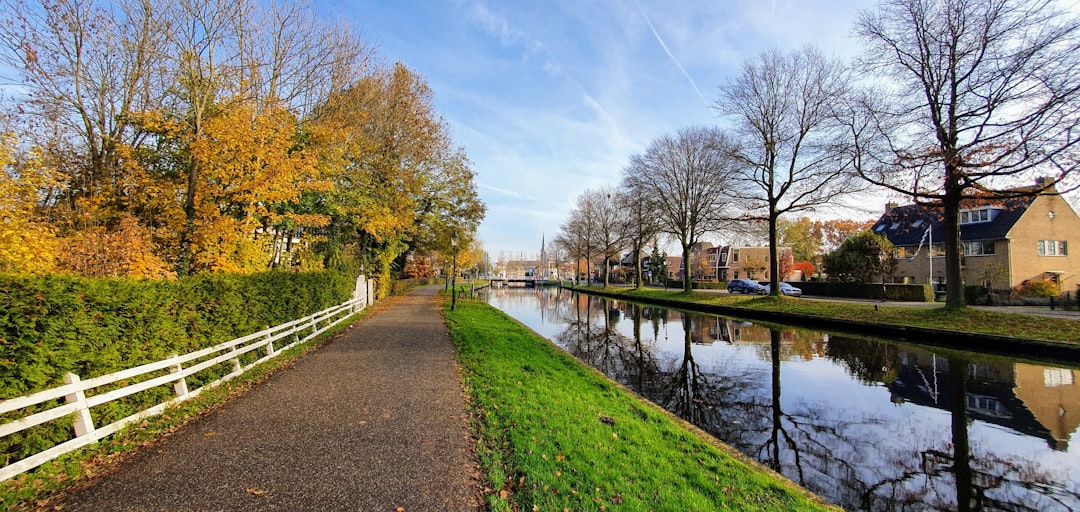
898	292
53	325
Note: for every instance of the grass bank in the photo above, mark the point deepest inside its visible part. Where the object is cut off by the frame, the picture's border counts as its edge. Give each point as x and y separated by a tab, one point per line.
556	435
33	490
968	320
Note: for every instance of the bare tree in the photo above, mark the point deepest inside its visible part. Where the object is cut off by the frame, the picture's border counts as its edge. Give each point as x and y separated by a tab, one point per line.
985	99
641	225
791	143
577	233
609	226
86	70
682	180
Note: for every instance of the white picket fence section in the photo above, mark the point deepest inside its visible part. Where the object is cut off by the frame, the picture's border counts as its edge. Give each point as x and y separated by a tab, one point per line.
77	404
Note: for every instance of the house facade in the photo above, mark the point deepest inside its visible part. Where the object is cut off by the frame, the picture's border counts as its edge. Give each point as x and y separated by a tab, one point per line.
727	262
1006	243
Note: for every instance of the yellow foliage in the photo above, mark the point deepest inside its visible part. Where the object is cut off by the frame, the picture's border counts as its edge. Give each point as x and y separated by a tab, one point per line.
248	164
27	241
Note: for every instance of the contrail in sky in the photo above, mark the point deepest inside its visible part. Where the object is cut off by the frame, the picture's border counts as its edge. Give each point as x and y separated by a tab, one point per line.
673	59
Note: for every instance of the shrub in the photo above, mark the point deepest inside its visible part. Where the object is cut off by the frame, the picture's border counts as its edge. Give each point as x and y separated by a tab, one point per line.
1038	289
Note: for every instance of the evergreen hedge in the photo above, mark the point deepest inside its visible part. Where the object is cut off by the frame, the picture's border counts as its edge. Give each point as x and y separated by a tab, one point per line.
52	325
899	292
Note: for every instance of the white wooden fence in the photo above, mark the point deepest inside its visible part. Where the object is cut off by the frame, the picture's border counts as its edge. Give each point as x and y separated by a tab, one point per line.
77	403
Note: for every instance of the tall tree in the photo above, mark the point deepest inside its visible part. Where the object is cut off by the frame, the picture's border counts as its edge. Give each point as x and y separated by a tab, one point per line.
790	142
641	226
609	226
984	100
683	180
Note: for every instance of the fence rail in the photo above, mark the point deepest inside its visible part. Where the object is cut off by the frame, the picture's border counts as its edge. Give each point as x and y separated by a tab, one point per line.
179	367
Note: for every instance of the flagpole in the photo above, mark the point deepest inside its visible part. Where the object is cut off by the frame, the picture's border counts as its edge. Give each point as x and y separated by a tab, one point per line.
930	254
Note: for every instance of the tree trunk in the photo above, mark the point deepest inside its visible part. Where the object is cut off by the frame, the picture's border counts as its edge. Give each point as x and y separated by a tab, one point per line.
688	284
637	269
954	274
774	257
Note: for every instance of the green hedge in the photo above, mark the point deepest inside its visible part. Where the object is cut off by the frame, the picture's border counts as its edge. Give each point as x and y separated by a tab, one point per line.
53	325
898	292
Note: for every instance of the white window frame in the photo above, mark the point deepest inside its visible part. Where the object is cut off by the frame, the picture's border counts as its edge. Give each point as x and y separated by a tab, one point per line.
1053	248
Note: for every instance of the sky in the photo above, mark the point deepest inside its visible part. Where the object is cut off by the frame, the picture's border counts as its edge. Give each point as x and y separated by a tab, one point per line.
550	98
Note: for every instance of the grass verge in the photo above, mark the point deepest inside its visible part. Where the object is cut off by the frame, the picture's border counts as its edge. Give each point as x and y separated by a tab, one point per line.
34	489
971	320
556	435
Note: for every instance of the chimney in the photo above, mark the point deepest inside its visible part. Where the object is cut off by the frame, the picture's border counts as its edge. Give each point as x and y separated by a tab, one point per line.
890	206
1044	182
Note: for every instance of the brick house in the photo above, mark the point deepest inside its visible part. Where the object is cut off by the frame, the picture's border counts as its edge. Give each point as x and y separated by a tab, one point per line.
1005	243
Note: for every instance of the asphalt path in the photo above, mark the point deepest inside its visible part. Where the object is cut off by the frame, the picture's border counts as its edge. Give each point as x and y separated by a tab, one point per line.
374	420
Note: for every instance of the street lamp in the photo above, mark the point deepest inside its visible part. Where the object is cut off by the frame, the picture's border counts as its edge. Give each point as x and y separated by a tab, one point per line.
453	278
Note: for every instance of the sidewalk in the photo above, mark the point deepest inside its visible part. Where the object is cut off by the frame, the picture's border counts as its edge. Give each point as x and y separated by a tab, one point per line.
375	420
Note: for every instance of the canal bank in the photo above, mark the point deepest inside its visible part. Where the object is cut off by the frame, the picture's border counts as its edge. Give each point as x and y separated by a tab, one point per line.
554	434
870	424
1064	348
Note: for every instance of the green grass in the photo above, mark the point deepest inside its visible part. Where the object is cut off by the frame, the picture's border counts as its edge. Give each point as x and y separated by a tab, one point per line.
555	435
934	316
33	489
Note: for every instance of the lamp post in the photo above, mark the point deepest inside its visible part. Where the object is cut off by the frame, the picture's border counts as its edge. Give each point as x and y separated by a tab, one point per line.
453	278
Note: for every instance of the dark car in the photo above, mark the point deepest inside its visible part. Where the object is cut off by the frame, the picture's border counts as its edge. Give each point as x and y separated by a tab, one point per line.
744	286
786	289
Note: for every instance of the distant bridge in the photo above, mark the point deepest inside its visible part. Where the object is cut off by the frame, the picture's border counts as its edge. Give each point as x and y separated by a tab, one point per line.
529	281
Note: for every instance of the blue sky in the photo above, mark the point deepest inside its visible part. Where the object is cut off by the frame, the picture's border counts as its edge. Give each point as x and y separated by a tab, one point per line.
551	97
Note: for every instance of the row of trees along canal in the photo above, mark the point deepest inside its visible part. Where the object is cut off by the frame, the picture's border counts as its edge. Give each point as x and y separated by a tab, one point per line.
159	138
971	99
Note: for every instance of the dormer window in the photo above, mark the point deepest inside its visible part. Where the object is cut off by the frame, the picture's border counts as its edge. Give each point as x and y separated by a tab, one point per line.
973	216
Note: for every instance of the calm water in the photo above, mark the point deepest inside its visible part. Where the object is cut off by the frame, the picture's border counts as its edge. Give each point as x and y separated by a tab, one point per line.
866	423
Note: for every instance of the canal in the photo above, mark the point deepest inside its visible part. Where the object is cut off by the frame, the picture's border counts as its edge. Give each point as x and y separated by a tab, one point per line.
866	423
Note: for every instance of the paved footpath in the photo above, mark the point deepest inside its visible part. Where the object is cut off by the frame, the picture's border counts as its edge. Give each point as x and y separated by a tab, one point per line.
374	420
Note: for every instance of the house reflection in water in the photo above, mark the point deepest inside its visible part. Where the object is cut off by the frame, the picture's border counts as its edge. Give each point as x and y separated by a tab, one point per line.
1039	401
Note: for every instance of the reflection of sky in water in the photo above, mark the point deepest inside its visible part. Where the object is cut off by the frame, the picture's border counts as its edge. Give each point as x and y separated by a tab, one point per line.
881	435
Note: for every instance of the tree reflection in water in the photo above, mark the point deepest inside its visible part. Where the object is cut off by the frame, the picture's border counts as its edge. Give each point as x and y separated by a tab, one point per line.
909	430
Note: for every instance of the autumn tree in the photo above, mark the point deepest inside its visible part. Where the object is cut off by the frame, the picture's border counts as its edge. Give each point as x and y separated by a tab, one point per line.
803	236
682	179
835	231
790	144
27	239
397	178
981	98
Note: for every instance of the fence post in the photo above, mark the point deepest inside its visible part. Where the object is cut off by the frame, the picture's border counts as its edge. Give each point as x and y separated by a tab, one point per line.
84	423
237	369
180	386
269	344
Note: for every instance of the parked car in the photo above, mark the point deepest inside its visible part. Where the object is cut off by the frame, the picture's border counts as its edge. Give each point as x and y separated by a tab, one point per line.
786	289
744	286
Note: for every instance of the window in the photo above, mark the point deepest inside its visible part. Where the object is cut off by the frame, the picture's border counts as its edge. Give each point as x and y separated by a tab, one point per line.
978	248
894	226
972	216
879	228
905	252
1054	377
735	256
937	250
1053	248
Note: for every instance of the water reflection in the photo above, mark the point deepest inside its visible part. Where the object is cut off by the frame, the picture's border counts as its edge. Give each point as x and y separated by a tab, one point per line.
867	424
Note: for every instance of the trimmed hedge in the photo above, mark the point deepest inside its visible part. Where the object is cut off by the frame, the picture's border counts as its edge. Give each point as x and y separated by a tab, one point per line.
52	325
898	292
